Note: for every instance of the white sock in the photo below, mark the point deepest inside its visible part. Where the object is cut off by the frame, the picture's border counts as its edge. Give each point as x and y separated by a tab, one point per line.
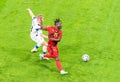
44	49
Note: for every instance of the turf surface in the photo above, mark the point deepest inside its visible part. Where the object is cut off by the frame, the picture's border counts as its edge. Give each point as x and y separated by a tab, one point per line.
89	26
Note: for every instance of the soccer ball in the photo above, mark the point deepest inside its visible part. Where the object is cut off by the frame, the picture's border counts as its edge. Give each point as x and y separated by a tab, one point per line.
85	57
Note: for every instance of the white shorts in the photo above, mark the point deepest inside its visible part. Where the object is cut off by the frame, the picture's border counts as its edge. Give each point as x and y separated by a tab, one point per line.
37	39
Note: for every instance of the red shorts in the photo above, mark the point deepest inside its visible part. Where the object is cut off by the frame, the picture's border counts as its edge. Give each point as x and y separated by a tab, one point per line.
53	51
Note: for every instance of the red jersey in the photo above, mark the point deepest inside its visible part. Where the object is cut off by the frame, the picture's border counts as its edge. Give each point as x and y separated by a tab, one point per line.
53	33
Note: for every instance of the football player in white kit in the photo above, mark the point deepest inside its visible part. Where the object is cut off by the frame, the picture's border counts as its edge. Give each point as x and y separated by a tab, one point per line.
36	33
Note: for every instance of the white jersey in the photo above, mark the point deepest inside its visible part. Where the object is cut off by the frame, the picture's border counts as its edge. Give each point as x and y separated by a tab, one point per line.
36	28
36	31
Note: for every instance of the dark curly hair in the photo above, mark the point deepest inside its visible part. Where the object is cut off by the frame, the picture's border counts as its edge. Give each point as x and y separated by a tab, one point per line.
57	20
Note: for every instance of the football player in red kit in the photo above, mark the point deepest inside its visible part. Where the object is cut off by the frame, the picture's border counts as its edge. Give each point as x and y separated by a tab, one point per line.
54	36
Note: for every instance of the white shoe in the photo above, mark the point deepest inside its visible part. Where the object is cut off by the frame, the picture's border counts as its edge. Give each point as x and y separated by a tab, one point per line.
42	57
34	50
63	72
45	58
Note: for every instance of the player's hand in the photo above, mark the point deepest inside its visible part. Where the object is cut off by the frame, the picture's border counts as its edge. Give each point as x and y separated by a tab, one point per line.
28	9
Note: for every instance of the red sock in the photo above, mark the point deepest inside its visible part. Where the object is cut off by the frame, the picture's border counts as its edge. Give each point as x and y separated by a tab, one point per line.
58	64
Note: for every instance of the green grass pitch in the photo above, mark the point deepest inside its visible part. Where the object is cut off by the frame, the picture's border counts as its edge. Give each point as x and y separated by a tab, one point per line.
89	26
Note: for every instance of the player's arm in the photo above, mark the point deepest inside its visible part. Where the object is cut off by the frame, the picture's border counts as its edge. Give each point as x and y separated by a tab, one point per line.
54	39
44	36
30	12
42	26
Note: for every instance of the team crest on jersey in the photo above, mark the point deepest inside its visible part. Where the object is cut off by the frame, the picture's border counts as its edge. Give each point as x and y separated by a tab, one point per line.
56	34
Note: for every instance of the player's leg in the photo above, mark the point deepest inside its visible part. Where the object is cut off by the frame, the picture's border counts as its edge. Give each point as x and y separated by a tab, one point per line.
40	41
58	63
44	47
49	55
59	66
52	52
35	49
45	56
44	51
34	38
42	56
